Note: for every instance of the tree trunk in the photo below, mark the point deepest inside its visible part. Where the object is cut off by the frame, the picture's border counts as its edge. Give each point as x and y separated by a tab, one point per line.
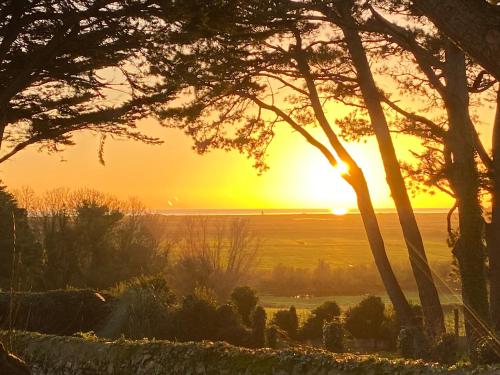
474	25
370	222
464	178
493	239
431	306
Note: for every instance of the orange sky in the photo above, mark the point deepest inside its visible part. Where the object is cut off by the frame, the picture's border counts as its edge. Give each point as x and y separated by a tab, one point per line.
299	177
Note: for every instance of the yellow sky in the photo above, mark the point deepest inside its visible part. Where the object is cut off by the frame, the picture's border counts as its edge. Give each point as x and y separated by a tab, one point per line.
299	177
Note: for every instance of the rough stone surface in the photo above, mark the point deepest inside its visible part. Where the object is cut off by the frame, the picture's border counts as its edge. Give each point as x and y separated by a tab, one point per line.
56	355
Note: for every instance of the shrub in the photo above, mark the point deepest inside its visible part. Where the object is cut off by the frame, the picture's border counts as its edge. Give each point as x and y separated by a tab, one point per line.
365	320
229	326
272	337
287	320
196	319
142	310
245	300
486	352
313	327
59	312
446	349
333	336
412	343
258	328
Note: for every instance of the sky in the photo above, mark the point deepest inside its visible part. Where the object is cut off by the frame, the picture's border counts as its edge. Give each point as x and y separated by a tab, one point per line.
173	175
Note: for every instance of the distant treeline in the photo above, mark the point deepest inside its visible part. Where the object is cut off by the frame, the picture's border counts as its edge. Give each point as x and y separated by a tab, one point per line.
325	280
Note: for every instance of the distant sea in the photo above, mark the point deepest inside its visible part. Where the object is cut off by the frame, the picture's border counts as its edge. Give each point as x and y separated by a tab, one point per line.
285	211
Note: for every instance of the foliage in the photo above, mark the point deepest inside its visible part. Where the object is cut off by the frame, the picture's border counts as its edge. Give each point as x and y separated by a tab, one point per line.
365	320
61	312
245	299
287	320
258	328
333	336
446	350
486	351
313	326
21	256
147	302
413	344
53	354
90	239
271	337
75	65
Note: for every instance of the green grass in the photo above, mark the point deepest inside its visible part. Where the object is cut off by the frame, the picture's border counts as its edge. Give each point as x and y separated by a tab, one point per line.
302	240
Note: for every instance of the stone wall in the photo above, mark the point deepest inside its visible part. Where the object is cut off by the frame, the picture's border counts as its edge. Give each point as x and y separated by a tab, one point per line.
56	355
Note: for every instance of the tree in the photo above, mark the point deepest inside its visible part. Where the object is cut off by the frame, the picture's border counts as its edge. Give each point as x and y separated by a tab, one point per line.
20	254
214	254
245	300
241	73
76	65
453	147
474	27
343	15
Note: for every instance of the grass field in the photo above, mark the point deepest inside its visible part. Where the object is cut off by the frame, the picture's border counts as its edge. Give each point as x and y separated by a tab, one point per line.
302	240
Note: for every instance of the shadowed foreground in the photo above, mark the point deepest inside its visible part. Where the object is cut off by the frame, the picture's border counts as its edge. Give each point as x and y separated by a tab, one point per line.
55	355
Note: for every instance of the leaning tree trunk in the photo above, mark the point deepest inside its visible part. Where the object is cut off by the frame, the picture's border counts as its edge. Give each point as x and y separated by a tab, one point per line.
493	240
464	177
431	306
356	179
472	24
370	222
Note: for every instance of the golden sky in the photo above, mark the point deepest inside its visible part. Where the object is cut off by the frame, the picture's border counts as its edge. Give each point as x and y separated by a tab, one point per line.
299	177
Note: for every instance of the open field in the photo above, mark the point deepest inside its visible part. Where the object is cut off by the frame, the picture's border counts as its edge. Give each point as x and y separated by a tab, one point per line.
302	240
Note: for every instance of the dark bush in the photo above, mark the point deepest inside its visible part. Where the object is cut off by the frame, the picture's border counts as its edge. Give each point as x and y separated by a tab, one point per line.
258	328
487	351
272	337
229	326
288	321
313	326
59	312
196	319
446	349
333	336
412	343
142	310
245	299
365	320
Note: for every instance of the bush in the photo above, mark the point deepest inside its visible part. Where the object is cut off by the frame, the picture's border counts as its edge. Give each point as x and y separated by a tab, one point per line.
412	343
229	326
59	312
364	321
446	349
333	336
196	319
245	300
486	352
313	327
143	310
258	328
272	337
288	321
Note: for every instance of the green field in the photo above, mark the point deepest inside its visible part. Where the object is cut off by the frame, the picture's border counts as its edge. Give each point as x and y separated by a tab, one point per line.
302	240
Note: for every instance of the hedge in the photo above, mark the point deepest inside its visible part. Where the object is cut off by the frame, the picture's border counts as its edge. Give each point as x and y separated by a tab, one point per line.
55	355
59	312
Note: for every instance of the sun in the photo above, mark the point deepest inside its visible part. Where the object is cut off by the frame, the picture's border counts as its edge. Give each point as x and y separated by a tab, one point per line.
323	186
342	168
339	211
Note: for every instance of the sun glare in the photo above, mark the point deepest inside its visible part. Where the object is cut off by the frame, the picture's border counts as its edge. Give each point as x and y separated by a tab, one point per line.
339	211
342	168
